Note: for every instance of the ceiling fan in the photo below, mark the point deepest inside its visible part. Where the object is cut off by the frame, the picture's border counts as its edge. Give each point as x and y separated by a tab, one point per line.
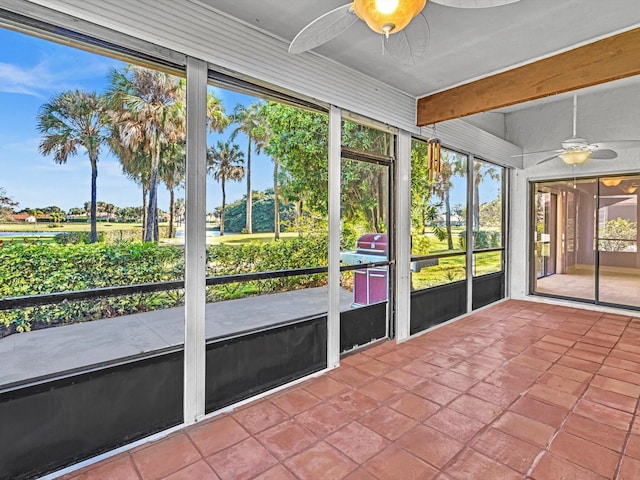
401	23
576	150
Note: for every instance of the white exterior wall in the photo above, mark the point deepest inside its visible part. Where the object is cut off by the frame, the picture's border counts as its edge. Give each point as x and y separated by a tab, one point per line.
606	115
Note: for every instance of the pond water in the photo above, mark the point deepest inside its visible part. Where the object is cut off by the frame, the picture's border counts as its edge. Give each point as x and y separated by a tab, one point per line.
210	233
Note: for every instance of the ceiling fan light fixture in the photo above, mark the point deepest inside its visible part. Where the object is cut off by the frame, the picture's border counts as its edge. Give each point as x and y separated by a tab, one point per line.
387	16
630	189
575	157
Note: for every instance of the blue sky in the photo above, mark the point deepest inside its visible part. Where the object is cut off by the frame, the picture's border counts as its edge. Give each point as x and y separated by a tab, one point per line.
31	72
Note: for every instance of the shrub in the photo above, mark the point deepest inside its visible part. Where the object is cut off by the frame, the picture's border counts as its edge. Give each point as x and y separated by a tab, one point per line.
482	239
30	269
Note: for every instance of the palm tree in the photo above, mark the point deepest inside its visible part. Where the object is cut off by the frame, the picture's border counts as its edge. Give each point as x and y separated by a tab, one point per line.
248	120
147	113
71	119
225	163
172	172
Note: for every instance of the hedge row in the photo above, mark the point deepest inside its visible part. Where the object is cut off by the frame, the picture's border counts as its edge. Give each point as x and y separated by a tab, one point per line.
30	269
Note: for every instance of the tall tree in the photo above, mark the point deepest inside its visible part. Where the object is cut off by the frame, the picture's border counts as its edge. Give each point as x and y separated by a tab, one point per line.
248	120
6	204
225	163
172	172
147	111
69	120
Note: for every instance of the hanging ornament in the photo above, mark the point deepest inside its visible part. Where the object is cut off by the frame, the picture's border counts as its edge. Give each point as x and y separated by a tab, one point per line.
434	156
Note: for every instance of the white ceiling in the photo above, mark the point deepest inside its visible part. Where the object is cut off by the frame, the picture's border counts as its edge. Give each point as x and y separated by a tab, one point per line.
465	44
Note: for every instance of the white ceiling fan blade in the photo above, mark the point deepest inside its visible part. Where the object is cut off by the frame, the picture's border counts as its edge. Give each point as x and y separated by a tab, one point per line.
473	3
615	144
529	154
544	160
323	29
410	44
604	154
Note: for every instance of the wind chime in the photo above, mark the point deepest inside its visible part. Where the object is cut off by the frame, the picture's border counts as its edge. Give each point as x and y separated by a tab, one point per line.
434	156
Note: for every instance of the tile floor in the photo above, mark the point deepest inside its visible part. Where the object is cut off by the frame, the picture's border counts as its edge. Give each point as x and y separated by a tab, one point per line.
520	390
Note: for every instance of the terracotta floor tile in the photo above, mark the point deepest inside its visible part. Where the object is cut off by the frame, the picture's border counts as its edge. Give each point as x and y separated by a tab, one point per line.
629	469
394	463
387	422
242	461
430	445
422	369
620	374
410	350
579	364
276	473
395	358
354	359
493	394
587	454
472	370
485	361
374	367
617	386
323	419
120	468
532	362
559	340
562	384
320	462
217	434
414	406
588	347
546	413
596	432
325	387
506	381
551	347
586	355
259	416
403	379
632	357
357	442
354	403
436	392
381	390
552	467
455	380
603	414
295	401
525	428
633	447
286	439
506	449
442	360
455	424
553	396
165	456
360	474
475	466
611	399
570	373
622	363
475	408
542	354
350	376
200	470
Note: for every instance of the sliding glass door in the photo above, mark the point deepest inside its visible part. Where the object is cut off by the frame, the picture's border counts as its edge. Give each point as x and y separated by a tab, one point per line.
584	240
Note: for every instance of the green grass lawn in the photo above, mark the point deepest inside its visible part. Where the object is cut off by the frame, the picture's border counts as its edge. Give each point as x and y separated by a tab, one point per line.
67	227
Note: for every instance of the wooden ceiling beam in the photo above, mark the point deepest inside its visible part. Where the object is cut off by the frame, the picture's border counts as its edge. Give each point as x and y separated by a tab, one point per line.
602	61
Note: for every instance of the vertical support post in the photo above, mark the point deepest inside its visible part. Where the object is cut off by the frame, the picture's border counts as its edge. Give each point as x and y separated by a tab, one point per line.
469	227
335	160
403	236
195	238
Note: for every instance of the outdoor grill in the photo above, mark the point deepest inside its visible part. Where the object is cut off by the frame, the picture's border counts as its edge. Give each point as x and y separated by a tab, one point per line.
369	284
